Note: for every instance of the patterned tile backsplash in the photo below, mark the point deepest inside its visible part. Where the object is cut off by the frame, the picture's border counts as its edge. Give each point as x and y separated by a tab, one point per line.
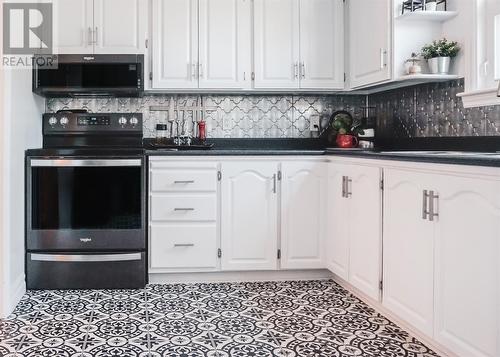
228	116
428	110
432	110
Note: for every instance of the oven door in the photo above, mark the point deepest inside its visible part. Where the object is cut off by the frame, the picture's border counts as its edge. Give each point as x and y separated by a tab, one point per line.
85	204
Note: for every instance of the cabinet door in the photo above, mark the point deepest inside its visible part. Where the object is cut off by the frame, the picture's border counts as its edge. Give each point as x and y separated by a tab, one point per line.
364	221
337	238
249	216
74	26
369	41
322	44
276	43
303	209
467	268
408	249
120	26
175	44
224	44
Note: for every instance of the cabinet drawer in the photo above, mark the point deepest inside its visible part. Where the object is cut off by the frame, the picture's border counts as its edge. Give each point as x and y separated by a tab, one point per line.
183	208
183	180
184	246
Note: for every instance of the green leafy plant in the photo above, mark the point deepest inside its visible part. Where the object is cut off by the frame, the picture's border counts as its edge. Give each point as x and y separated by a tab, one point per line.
344	124
441	48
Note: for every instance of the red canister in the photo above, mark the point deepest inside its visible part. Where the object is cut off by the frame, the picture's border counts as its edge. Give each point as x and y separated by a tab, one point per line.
202	130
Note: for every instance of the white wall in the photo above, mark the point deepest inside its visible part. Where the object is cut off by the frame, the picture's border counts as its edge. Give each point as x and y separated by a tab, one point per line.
21	130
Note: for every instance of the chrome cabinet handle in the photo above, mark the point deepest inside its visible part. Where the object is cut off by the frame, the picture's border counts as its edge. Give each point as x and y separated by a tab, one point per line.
425	197
91	36
183	209
184	181
348	191
303	70
432	208
343	186
183	245
296	70
200	70
274	183
193	70
383	52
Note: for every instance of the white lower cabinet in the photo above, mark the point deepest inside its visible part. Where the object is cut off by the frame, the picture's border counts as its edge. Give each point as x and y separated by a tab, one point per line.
441	256
354	236
183	215
249	238
184	245
467	265
303	212
408	249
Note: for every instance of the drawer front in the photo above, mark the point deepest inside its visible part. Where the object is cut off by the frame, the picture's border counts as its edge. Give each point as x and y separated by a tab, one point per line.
184	246
69	270
185	180
183	208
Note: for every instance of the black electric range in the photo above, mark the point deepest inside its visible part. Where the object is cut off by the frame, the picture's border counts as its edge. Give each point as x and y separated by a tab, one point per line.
86	203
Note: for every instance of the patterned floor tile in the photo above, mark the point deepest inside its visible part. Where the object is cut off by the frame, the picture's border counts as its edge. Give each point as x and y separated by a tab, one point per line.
285	319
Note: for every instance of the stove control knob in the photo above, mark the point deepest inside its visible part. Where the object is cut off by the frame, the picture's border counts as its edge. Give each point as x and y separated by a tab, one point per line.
122	120
64	121
52	121
134	121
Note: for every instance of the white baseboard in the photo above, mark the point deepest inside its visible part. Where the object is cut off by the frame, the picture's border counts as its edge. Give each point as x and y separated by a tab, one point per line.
231	276
13	295
435	346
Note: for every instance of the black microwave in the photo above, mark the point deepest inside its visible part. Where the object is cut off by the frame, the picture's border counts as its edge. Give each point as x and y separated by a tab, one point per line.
91	75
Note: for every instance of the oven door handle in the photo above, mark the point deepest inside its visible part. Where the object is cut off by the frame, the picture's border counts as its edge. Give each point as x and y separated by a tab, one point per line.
85	258
85	162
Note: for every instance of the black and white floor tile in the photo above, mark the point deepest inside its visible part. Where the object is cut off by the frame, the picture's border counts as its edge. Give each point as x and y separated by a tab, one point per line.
259	319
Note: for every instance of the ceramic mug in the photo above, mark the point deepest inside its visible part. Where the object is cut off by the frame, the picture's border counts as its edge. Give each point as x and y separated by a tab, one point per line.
347	141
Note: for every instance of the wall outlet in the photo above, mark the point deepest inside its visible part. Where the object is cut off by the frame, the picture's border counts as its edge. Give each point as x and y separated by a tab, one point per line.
314	122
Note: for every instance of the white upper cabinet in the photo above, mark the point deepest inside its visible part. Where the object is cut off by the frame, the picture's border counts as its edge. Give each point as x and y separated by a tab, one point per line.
408	250
74	26
298	44
370	26
276	41
303	213
249	215
101	26
321	44
467	265
120	26
175	44
225	44
480	20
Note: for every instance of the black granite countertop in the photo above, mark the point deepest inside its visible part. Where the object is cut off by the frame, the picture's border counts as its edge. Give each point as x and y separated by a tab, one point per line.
318	147
440	157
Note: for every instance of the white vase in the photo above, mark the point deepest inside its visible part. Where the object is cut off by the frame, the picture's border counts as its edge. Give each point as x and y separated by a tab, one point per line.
431	6
439	65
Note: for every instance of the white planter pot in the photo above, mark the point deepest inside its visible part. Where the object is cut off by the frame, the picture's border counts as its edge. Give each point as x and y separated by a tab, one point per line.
431	6
439	65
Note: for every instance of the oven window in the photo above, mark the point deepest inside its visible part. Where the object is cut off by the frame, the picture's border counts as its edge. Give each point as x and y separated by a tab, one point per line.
86	198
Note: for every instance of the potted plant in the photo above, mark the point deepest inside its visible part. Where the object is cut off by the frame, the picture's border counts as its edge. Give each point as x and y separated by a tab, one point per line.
345	129
439	54
431	5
